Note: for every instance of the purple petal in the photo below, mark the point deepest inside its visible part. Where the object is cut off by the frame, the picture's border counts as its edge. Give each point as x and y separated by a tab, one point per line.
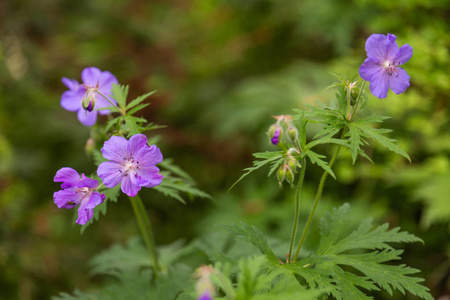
116	149
404	54
106	80
399	82
71	84
88	183
391	47
84	215
90	76
71	100
94	200
68	176
128	187
155	180
110	173
148	156
376	47
369	68
379	85
87	118
66	198
137	142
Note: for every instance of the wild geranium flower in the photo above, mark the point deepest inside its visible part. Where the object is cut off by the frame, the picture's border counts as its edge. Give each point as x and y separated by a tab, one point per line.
381	68
131	163
75	191
83	98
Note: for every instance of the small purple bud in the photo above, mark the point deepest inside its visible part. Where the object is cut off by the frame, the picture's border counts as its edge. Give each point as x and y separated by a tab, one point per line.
88	103
205	296
276	137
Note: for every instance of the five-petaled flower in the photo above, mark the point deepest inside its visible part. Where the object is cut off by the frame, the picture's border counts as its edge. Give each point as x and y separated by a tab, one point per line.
75	191
82	98
381	67
131	163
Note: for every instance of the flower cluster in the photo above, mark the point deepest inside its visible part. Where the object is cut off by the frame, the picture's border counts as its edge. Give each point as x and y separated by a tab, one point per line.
75	191
131	163
381	67
83	98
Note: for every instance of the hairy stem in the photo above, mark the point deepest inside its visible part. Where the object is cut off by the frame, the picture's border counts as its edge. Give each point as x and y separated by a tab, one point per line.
146	231
297	209
123	113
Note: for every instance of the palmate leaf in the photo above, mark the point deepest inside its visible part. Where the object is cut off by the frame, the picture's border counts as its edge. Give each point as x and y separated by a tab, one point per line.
329	266
361	130
274	158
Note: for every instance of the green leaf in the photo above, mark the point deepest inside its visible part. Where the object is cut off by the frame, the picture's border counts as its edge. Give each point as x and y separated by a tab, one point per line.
317	159
252	235
274	158
341	248
120	94
177	182
138	100
359	130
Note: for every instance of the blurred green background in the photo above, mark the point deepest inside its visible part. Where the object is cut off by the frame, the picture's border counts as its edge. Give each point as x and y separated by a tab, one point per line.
222	68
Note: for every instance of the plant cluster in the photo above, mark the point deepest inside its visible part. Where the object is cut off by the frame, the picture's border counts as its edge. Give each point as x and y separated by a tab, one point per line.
350	261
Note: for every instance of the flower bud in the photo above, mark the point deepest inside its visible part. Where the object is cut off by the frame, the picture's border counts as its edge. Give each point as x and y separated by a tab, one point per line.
281	174
204	286
289	175
293	133
275	134
88	103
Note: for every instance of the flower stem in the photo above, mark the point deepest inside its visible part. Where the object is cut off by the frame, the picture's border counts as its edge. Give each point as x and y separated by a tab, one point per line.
112	103
146	231
297	209
316	201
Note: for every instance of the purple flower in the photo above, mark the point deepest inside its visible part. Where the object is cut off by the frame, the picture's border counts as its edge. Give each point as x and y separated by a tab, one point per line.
77	191
381	67
131	163
81	98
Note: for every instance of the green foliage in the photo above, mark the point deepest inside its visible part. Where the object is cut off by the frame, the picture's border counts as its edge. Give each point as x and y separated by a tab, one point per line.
341	252
360	129
177	182
275	159
254	280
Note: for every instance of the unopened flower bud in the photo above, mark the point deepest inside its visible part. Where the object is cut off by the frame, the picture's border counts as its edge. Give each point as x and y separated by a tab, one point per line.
275	134
204	286
293	164
293	133
289	175
88	103
281	174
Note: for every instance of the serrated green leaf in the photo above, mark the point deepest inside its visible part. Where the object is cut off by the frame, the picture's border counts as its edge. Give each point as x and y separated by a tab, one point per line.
339	247
275	158
252	235
137	108
316	158
120	94
138	100
358	130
